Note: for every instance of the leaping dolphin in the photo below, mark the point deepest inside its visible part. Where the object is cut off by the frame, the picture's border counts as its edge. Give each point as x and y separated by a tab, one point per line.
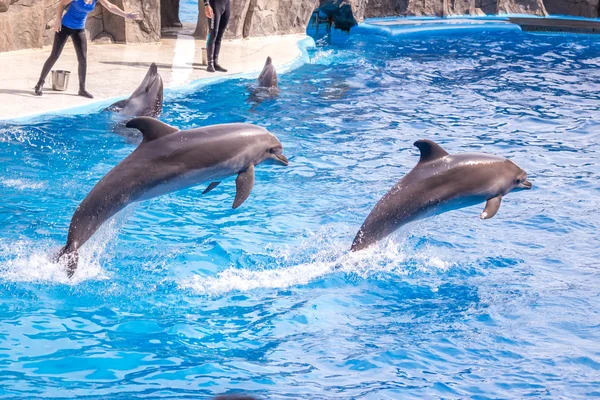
168	160
146	100
441	182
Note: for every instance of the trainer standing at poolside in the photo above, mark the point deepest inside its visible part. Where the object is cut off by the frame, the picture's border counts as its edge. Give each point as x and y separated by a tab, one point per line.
72	24
217	12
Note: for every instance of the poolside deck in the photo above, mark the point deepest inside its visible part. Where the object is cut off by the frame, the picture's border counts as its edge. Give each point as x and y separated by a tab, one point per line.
437	21
550	24
525	23
115	70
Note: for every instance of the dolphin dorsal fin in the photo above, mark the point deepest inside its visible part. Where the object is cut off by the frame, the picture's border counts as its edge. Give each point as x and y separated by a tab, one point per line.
429	150
269	61
151	128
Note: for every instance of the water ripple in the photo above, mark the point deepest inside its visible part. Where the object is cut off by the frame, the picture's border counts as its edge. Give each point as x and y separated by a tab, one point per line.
183	297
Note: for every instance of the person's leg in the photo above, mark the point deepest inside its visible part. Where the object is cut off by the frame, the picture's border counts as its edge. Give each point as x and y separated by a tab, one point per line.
176	21
60	38
80	43
213	30
222	27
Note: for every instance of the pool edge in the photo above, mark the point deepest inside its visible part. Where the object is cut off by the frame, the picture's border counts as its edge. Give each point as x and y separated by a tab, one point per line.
303	44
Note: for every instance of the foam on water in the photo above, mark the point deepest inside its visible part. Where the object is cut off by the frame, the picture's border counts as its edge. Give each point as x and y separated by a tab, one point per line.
27	260
381	260
22	184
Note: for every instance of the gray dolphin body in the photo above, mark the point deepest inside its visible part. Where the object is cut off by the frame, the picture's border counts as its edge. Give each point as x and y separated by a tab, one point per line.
441	182
268	76
168	160
146	100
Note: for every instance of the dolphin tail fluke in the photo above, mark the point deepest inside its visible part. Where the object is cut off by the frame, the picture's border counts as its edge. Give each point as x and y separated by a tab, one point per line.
68	258
357	246
358	243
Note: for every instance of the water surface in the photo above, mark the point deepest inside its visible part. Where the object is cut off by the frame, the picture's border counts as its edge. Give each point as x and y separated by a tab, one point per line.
182	296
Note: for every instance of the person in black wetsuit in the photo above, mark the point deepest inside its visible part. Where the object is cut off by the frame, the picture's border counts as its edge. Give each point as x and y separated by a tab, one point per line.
72	24
217	12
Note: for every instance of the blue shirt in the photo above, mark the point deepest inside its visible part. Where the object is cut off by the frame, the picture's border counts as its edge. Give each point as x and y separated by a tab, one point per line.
77	13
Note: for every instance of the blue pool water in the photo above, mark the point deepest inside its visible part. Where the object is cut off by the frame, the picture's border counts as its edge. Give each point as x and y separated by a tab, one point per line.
188	11
182	296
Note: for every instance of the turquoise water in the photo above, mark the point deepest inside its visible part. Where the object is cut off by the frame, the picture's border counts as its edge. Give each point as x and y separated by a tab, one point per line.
188	11
183	296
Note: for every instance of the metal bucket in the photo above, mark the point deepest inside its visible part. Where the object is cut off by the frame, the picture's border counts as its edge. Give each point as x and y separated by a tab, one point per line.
60	80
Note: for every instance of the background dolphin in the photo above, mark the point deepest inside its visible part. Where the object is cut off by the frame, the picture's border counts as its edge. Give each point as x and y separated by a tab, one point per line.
168	160
268	76
146	100
438	183
267	85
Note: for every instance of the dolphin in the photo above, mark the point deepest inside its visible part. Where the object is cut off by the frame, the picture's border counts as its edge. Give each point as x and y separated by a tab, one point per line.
268	76
146	100
441	182
168	160
267	85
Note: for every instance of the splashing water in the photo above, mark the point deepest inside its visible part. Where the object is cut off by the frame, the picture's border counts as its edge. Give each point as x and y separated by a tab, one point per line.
389	258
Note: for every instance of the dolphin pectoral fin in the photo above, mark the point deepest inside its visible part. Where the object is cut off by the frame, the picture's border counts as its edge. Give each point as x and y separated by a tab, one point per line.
151	128
211	187
243	185
491	207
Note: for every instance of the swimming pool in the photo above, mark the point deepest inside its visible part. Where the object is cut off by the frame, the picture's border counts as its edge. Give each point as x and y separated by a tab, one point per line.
182	295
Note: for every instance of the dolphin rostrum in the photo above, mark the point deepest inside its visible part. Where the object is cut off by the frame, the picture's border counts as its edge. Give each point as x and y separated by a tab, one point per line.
268	76
146	100
441	182
168	160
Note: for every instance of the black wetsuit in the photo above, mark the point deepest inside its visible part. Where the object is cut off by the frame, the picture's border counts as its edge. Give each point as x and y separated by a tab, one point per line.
217	25
80	44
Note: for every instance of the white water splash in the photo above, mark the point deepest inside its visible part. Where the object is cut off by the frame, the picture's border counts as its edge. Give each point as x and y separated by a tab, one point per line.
33	261
22	184
386	258
322	57
30	136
